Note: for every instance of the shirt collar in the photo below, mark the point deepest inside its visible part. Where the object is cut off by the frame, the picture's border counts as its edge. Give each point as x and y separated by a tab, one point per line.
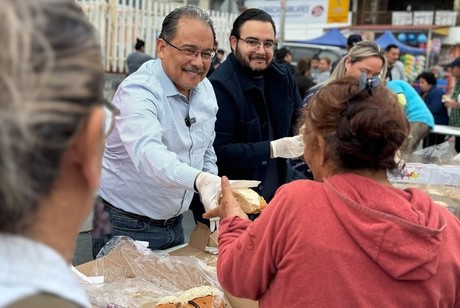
29	265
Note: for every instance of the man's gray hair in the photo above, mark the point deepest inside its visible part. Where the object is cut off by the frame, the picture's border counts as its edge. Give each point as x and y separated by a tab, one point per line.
169	26
51	76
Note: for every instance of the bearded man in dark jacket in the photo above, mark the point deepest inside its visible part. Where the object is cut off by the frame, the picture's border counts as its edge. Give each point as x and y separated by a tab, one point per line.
258	107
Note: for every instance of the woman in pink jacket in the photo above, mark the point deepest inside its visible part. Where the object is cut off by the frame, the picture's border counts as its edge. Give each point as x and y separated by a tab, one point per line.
349	238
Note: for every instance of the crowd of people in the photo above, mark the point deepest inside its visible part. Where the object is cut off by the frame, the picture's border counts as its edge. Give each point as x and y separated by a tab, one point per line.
172	138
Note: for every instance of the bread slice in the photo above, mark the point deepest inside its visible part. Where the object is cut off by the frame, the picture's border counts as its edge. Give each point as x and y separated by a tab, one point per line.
202	297
249	201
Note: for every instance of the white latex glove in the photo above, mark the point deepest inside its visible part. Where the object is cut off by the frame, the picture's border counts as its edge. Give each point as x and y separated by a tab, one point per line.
208	185
288	147
214	224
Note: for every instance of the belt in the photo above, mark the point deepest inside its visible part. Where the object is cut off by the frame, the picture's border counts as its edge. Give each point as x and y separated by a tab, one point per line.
146	219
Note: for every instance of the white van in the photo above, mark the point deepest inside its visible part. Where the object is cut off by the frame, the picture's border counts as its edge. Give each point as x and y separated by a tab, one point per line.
299	50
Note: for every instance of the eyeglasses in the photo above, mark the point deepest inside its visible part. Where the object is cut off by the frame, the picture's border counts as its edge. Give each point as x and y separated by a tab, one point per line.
111	111
269	46
207	55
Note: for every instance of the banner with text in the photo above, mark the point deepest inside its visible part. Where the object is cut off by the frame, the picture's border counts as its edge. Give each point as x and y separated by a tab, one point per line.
297	11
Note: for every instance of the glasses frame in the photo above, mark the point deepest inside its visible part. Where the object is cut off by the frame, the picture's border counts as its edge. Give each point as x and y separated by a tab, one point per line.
259	43
196	52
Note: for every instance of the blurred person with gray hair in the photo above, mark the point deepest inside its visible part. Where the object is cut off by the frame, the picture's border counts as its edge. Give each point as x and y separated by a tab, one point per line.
52	139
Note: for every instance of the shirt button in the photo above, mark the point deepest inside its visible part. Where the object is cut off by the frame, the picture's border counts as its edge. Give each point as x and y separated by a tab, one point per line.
261	187
264	162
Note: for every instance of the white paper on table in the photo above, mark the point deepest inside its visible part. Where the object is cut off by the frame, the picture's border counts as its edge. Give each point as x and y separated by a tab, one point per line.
93	279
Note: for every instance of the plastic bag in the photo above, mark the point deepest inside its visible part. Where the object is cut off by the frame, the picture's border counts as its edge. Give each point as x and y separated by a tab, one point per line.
440	182
440	154
135	276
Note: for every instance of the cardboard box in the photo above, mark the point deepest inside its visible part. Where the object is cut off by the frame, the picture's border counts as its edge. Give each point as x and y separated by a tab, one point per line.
196	247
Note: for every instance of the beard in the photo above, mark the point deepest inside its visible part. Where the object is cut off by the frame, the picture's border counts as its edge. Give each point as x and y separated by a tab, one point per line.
246	65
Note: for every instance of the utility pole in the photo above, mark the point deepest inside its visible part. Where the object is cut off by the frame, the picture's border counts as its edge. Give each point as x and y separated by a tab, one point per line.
282	22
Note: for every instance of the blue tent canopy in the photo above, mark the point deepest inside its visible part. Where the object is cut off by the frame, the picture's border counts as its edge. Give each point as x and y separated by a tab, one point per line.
331	38
388	38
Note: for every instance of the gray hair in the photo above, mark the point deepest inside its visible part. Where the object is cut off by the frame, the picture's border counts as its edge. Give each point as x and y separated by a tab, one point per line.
360	51
169	26
51	76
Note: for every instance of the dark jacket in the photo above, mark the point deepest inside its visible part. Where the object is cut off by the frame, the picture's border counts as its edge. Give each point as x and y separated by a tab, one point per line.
243	138
304	83
290	67
433	100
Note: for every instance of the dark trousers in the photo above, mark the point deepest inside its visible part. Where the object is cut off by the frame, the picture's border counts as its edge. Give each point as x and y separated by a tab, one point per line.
159	234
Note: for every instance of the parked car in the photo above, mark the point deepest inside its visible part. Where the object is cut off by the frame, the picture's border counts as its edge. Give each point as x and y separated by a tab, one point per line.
299	50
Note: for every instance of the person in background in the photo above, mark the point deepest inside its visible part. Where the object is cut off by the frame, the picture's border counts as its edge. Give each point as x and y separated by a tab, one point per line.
450	79
419	116
215	61
314	66
350	229
284	56
365	57
160	151
258	107
433	99
444	78
302	76
219	58
453	101
351	41
395	67
324	70
137	57
52	142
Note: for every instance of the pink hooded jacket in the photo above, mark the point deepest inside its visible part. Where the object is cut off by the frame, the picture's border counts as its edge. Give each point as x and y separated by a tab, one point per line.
346	242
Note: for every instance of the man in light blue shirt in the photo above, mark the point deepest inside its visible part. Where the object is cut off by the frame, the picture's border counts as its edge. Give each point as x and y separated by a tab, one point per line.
160	151
420	118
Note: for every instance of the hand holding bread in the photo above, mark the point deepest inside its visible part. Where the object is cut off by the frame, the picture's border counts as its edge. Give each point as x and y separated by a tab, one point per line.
228	206
237	201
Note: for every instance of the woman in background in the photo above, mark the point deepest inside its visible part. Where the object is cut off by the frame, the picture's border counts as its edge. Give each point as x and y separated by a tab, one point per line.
364	57
433	99
302	76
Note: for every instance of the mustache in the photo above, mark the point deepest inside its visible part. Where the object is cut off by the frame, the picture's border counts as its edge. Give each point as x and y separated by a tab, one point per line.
258	57
193	69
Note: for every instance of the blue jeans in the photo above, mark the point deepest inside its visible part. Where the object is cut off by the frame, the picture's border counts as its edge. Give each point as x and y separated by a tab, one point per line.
159	236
